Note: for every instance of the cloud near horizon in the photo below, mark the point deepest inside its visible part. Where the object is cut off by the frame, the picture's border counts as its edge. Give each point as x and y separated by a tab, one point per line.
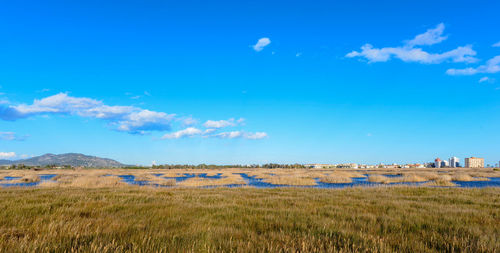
7	155
409	52
11	136
129	119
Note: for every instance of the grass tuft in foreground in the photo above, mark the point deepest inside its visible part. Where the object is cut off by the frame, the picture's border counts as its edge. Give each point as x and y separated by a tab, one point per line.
127	219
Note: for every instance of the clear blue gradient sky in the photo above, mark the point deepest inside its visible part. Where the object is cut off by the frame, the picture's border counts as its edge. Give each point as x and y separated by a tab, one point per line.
188	82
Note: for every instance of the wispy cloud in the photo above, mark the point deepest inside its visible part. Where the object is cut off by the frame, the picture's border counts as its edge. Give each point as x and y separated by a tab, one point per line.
189	121
129	119
223	123
484	79
241	134
188	132
430	37
409	52
261	43
491	66
7	155
11	136
496	44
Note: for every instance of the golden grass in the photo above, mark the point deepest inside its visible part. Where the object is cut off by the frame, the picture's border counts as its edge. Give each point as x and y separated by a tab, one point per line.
292	177
382	219
336	179
49	184
292	180
378	179
30	178
411	178
96	182
226	179
467	178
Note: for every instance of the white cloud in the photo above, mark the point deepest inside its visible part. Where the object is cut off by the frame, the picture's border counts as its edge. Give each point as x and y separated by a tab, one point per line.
298	54
491	66
255	136
188	132
496	44
7	155
189	121
11	136
223	123
430	37
209	131
241	134
409	53
129	119
229	135
484	79
261	43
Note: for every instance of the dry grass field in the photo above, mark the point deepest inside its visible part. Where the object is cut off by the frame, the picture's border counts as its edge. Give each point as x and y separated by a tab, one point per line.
133	219
95	178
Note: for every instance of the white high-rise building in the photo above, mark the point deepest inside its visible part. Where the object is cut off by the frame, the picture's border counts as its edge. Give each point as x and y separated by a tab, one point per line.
454	162
437	163
444	164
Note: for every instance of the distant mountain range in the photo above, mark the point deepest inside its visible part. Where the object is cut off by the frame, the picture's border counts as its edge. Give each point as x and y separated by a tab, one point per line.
73	159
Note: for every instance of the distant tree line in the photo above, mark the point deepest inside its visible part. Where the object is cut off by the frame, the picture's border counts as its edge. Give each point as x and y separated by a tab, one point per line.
213	166
29	167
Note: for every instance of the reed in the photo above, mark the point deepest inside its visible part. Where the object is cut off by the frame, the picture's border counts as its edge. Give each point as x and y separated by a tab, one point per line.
30	178
292	180
411	178
467	178
378	179
336	179
226	179
130	219
96	182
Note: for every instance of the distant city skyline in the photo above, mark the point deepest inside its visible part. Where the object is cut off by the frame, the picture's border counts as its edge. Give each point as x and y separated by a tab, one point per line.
189	83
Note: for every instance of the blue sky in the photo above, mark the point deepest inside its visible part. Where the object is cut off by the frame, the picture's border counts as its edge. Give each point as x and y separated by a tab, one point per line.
262	81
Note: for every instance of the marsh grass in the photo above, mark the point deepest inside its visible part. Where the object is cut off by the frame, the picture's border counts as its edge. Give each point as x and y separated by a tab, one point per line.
291	177
381	219
292	180
467	178
30	178
378	179
336	179
92	181
226	179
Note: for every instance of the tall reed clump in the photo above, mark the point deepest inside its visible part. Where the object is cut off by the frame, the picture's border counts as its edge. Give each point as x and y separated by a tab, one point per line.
96	182
378	179
30	178
336	179
226	179
467	178
443	180
292	180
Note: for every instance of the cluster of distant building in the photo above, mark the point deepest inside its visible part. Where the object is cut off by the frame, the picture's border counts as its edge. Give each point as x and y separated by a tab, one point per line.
453	162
